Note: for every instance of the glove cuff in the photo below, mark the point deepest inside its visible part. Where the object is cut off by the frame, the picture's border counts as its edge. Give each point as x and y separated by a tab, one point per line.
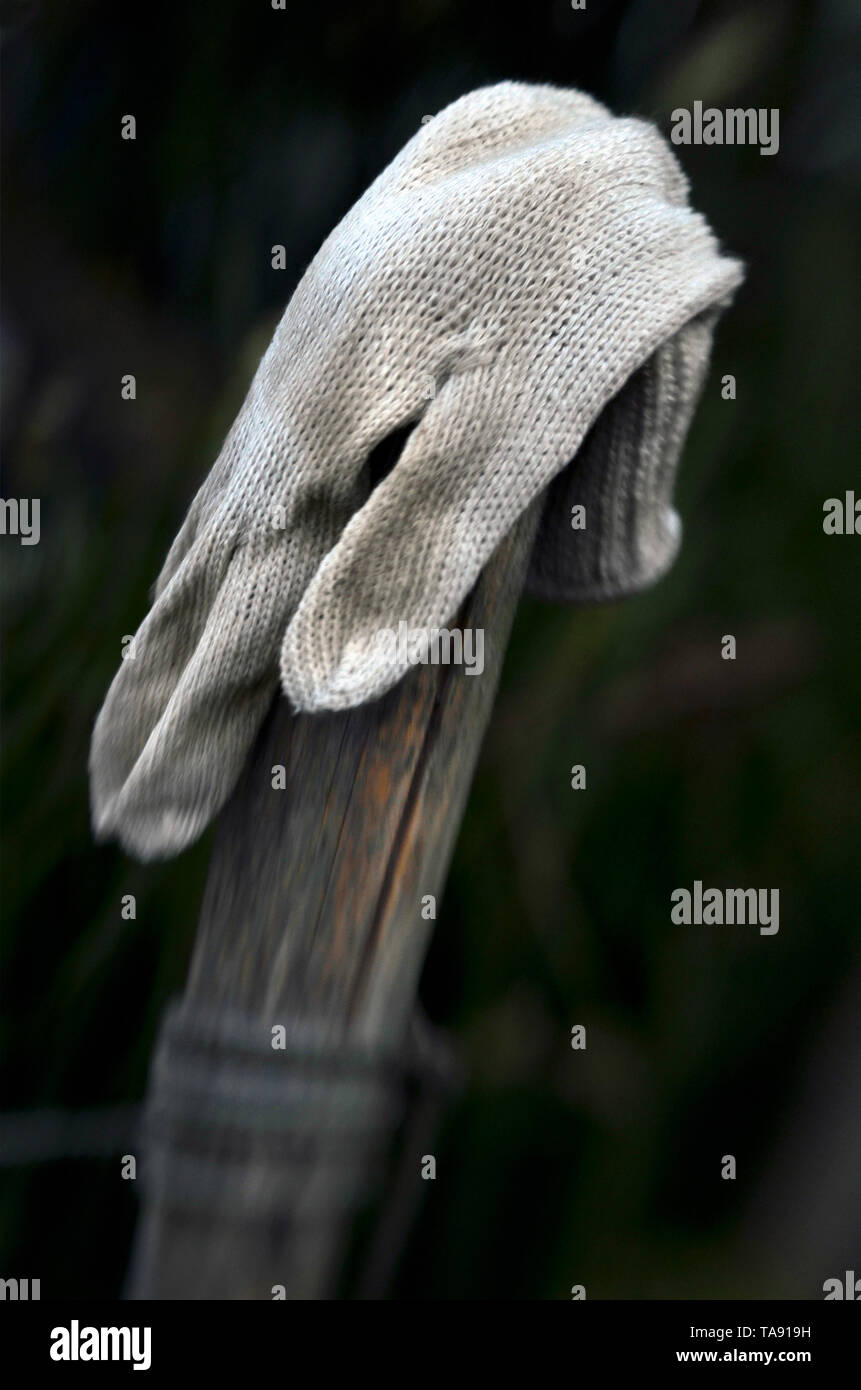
608	526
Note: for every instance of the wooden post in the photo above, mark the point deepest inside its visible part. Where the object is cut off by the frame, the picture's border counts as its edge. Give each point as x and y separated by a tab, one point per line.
257	1156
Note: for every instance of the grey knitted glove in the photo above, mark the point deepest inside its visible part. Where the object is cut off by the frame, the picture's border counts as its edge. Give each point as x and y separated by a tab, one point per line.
526	283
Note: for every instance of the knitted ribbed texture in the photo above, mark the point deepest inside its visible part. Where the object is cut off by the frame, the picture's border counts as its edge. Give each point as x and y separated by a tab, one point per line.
525	278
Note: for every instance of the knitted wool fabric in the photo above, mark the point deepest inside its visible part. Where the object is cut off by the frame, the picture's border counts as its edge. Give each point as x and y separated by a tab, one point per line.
527	285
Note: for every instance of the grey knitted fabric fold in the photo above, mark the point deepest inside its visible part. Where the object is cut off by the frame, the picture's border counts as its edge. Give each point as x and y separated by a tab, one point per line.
527	286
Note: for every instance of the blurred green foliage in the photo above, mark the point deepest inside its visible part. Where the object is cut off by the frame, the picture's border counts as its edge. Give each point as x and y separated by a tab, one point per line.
257	127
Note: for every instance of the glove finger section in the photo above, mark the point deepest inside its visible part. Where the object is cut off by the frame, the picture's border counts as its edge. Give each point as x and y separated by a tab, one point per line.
240	440
412	553
189	764
150	672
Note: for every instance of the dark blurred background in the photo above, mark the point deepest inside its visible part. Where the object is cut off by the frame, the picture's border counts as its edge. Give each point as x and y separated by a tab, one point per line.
602	1167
